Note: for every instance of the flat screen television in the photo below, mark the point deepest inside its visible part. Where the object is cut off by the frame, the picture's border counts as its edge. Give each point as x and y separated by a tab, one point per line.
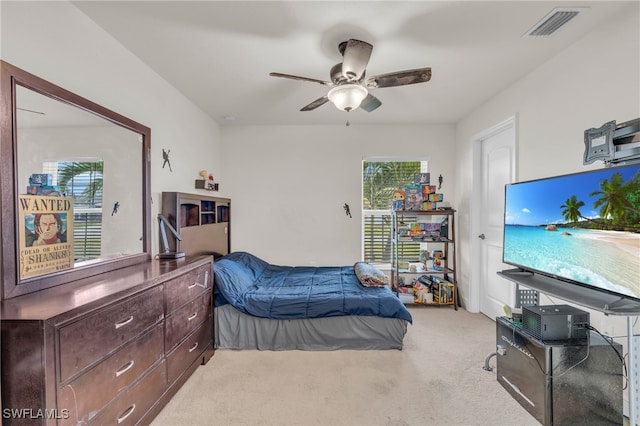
581	229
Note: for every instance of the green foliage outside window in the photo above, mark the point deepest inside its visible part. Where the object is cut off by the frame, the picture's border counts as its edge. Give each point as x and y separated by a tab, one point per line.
379	180
83	181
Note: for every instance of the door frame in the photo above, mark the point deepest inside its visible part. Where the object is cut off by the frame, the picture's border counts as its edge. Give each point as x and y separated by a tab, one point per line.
476	200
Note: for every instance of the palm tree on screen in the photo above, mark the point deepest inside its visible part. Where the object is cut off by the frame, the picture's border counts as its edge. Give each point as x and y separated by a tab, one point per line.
571	209
613	201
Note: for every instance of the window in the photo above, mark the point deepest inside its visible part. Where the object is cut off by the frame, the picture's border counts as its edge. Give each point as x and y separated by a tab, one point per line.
380	177
83	182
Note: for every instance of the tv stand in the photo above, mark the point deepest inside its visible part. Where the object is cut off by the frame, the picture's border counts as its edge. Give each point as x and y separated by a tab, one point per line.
518	272
563	381
603	302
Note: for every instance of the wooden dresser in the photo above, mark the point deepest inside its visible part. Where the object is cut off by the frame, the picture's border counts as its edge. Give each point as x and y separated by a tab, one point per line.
109	349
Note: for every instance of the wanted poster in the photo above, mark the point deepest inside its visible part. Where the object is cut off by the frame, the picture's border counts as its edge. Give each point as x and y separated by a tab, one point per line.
45	223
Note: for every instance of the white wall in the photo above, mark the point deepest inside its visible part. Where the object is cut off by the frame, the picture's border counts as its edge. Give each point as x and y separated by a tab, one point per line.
289	184
118	149
592	82
57	42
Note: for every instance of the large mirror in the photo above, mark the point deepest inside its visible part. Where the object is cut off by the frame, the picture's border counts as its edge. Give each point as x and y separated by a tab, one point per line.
75	186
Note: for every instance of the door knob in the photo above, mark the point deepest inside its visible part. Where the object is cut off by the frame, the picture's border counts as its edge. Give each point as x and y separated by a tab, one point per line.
481	236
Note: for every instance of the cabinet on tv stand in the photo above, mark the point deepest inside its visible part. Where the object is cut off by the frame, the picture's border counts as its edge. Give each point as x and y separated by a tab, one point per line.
202	222
608	304
561	382
407	253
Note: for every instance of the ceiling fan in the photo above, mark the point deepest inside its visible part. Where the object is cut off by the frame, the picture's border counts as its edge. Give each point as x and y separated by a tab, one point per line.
350	90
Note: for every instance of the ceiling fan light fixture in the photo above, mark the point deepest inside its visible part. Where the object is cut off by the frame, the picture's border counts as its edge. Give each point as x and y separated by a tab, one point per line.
347	97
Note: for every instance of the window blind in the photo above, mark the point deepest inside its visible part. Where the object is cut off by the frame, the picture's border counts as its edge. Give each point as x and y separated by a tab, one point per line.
377	236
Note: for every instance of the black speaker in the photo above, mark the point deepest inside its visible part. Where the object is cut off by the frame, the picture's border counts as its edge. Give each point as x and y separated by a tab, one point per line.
555	322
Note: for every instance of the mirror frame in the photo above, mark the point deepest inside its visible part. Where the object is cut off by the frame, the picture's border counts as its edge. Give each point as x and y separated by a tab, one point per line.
12	286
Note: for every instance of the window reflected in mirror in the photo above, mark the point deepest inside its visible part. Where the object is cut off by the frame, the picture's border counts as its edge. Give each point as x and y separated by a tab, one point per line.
82	181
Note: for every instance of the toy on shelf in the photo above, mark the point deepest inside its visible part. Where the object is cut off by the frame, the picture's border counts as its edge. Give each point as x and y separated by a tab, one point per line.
42	184
436	256
413	199
206	182
398	199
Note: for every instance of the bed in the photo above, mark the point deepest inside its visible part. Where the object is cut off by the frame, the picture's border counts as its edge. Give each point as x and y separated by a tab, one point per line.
263	306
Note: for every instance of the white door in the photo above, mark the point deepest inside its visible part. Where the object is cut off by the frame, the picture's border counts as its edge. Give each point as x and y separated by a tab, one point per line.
497	168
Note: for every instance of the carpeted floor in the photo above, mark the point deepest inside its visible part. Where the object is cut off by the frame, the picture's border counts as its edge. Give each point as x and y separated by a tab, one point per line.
437	379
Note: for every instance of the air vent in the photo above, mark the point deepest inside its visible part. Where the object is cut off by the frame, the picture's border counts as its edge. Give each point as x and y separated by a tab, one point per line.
556	19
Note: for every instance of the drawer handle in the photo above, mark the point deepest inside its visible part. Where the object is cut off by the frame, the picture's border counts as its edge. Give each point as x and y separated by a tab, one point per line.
192	316
129	411
125	368
203	285
195	345
123	323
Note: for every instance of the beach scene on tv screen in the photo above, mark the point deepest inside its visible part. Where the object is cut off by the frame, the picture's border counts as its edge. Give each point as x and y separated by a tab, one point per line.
583	227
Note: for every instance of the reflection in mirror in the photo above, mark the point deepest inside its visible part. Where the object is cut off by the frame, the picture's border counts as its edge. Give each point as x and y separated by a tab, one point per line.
92	167
89	159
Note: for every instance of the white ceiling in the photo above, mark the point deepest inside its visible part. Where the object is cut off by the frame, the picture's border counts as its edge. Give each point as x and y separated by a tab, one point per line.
219	53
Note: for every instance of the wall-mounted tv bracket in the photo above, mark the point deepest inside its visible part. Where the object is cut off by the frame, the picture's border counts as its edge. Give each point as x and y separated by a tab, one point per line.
613	143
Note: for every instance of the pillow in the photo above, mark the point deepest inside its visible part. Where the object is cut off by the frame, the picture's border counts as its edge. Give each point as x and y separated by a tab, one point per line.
370	276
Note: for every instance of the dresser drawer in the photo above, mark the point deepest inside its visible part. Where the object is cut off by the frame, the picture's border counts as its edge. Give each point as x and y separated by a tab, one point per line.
188	286
131	406
189	350
92	338
186	319
90	392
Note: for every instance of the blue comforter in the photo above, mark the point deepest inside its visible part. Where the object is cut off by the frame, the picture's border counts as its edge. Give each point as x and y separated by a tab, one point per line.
258	288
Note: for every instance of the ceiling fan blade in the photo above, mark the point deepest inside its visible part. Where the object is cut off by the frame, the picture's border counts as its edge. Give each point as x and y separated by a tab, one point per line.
399	78
315	104
295	77
355	59
370	103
